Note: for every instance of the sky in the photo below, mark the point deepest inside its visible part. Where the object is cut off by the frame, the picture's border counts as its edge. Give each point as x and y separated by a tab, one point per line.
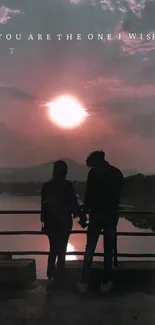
114	80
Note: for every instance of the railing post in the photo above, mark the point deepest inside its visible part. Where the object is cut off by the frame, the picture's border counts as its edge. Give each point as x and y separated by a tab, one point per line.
115	255
115	247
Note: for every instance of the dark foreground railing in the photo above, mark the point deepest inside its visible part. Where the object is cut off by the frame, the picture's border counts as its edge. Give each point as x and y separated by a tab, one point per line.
116	255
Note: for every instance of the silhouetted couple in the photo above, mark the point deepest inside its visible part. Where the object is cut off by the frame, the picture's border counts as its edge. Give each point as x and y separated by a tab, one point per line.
59	206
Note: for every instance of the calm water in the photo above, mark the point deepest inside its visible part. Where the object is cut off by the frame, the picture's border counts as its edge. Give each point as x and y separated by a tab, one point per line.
76	242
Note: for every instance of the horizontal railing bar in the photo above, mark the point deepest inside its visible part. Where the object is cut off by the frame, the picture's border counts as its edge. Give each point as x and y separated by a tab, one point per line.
71	253
35	232
121	212
20	211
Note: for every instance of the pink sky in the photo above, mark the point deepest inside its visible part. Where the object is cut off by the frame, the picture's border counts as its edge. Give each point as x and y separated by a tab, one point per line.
115	81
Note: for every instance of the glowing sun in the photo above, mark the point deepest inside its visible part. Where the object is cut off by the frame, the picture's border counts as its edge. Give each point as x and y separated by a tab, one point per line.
66	112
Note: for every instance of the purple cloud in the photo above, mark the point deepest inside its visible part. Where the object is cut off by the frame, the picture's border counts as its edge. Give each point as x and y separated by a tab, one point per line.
13	92
133	46
115	88
6	13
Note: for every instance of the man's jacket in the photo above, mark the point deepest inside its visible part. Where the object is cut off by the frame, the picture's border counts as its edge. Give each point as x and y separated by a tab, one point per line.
103	190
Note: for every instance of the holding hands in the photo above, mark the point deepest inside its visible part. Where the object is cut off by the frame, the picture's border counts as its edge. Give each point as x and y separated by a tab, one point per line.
83	219
82	216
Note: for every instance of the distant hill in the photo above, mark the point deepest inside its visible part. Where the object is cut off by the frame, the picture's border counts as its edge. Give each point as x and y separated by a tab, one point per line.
130	172
42	172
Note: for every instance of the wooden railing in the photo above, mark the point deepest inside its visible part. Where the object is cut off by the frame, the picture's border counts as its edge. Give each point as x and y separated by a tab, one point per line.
116	255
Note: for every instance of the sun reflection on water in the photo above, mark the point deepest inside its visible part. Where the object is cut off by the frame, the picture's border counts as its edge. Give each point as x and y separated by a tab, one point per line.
71	248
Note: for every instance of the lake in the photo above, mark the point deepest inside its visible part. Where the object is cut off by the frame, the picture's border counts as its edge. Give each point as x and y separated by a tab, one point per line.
76	242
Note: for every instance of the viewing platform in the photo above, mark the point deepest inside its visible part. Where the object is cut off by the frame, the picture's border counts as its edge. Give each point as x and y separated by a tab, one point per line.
131	301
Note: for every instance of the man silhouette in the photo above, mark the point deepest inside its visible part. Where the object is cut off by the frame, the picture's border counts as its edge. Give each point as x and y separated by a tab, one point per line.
58	203
101	202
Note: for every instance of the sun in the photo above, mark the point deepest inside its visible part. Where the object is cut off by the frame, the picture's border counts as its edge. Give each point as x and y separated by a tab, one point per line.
66	112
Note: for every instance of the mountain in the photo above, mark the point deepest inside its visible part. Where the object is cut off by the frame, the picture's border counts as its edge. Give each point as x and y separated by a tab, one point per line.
130	172
43	172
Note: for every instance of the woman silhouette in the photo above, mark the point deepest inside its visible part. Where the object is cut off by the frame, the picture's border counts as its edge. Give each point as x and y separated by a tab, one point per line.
58	206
